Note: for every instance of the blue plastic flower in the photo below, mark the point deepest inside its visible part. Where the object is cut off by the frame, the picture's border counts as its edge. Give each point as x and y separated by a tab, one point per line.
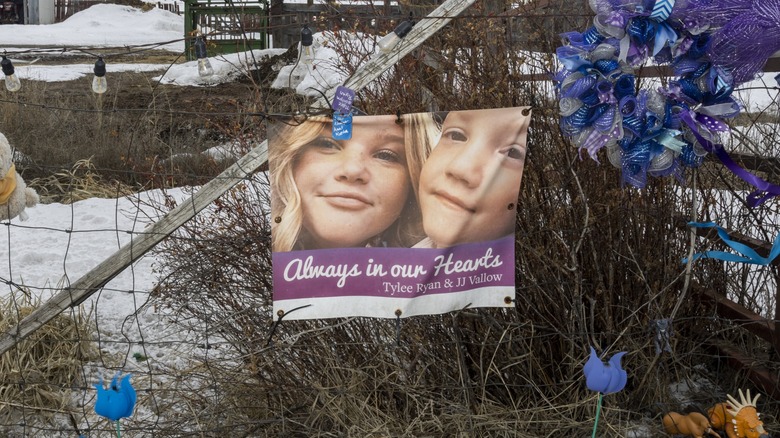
117	401
605	378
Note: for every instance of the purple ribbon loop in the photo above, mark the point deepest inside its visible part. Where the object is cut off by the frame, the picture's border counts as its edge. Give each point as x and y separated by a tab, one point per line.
597	140
764	189
604	88
624	86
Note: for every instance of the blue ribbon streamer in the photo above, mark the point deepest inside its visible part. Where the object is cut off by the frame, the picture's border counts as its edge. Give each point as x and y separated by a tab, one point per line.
748	255
664	34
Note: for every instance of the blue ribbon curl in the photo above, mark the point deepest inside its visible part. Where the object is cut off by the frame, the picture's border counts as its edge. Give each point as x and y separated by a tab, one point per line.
747	254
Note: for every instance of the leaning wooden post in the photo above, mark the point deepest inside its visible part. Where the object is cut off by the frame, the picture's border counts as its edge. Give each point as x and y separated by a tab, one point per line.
112	266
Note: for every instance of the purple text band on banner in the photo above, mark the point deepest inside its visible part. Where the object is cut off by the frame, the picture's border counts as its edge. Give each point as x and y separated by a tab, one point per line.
393	272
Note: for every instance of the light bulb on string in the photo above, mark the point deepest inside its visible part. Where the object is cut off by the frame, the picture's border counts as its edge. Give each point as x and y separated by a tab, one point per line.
389	41
204	66
306	48
99	84
12	82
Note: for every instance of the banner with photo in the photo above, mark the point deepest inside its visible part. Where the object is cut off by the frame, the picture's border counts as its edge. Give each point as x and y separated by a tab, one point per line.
400	216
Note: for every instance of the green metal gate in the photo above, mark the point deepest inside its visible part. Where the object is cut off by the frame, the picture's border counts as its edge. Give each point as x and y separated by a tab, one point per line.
229	26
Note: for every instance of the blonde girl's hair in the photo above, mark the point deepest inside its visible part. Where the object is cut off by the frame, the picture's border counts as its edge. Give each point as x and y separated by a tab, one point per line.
421	132
290	138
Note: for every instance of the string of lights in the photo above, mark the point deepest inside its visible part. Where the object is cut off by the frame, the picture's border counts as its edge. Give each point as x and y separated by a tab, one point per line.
305	58
200	39
112	51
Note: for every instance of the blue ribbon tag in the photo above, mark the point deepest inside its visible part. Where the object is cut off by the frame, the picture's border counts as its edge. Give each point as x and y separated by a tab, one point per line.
342	126
746	254
342	101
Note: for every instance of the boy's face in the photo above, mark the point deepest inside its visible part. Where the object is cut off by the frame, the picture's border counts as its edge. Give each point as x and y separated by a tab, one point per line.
473	175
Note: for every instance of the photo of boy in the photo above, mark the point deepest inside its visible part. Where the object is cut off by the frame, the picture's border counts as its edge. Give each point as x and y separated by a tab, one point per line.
470	183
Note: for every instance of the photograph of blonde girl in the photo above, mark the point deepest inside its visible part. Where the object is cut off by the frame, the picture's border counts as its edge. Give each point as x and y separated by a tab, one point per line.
361	192
470	183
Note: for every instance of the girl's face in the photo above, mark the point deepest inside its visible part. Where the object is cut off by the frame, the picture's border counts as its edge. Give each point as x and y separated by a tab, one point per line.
473	176
352	190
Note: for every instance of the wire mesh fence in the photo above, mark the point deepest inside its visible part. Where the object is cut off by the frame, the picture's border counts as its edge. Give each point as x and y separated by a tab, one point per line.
597	263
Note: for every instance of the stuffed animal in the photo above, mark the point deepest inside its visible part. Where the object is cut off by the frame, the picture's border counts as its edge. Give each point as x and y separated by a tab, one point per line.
15	196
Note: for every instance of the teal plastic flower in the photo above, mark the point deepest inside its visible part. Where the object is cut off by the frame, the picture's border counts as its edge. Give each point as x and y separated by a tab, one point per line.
118	401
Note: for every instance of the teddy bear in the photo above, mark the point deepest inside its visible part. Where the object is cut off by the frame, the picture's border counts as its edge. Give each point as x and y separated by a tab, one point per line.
15	196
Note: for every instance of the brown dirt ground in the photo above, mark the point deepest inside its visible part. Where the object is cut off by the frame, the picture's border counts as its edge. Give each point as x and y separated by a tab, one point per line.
129	90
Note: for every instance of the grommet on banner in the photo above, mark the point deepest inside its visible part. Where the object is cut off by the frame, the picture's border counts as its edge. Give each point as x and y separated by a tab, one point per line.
508	300
510	206
281	314
526	112
398	327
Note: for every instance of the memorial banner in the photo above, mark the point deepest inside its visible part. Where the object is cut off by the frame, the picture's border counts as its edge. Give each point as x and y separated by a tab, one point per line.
400	216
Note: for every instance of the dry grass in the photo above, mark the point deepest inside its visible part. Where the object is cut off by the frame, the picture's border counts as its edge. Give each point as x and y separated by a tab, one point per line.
38	372
140	133
80	182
